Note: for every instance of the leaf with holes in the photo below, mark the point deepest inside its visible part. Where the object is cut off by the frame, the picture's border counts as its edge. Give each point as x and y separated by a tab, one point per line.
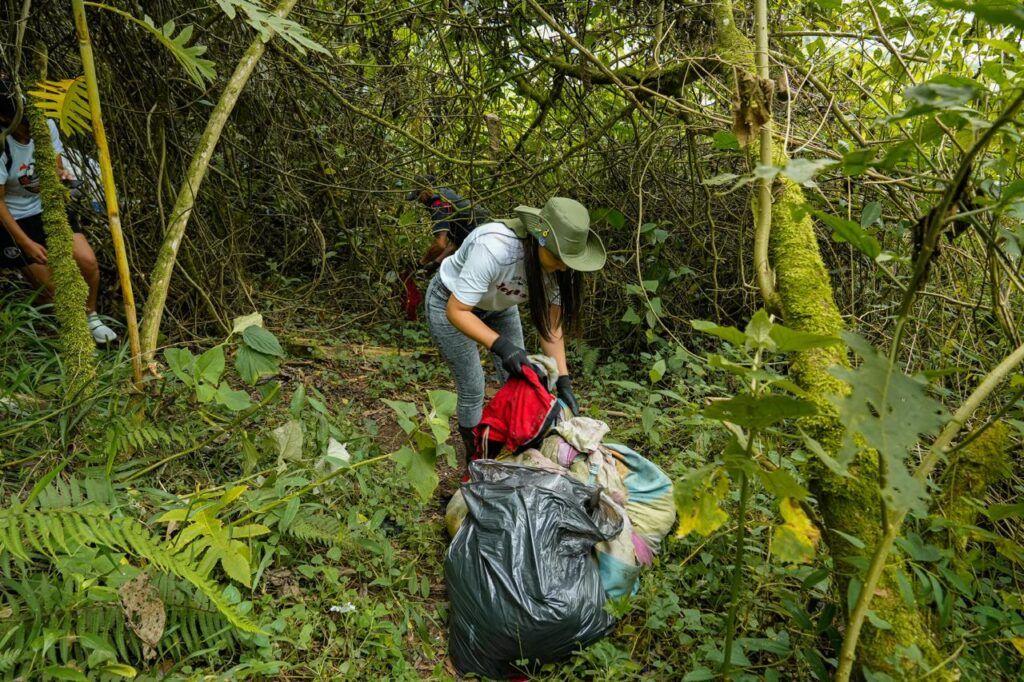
890	411
697	499
794	540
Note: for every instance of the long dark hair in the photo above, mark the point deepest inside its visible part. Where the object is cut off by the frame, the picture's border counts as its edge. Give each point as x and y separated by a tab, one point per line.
570	292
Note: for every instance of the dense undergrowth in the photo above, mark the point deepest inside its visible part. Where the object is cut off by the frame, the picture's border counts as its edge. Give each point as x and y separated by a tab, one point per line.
119	561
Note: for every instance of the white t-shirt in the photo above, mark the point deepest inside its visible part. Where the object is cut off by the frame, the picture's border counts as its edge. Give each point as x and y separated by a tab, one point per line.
22	182
489	272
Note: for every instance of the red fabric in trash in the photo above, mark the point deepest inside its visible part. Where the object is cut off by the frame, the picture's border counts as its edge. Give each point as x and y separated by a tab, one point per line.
516	413
413	297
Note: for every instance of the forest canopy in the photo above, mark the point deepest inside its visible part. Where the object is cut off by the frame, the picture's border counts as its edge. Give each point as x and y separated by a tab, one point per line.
810	318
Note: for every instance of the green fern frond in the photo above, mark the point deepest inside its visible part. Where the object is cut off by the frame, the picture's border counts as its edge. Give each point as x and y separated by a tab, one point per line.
198	69
318	529
8	659
67	101
63	531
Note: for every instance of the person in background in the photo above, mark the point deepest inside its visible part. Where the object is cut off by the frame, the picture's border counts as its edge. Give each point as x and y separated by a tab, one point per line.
22	240
474	298
453	218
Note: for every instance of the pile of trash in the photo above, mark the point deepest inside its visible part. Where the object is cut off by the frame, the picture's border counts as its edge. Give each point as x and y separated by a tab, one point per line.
559	521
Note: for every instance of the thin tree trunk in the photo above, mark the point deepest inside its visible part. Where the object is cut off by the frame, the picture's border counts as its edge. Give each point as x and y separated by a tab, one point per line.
109	187
70	290
763	205
160	278
849	506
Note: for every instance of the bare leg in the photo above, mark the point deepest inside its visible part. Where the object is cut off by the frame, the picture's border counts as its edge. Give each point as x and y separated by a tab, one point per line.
41	277
86	260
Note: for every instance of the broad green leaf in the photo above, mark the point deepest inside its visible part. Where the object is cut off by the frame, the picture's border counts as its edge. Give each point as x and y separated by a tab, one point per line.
1006	12
730	334
998	512
298	401
890	411
419	468
725	140
205	392
758	412
245	321
259	339
788	340
611	216
442	405
836	467
944	92
252	365
871	214
697	504
720	362
181	360
63	672
856	162
877	620
210	365
794	540
405	412
758	332
802	171
657	370
120	669
288	438
720	179
781	483
67	101
844	230
232	399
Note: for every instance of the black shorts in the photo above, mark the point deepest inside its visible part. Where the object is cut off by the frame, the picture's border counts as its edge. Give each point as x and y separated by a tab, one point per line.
10	255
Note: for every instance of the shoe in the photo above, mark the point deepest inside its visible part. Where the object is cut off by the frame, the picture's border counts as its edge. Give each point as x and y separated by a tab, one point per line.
101	333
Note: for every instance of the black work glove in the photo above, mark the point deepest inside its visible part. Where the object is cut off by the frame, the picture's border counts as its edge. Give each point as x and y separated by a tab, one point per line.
563	388
513	358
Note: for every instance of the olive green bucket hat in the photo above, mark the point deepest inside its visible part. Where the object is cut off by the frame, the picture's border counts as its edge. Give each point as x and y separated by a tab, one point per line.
563	227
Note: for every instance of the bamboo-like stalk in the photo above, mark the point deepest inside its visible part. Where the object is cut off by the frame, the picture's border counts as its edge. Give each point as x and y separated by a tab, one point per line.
109	186
763	206
160	278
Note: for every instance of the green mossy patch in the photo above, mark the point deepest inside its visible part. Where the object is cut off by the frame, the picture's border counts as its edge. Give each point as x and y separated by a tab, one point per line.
70	290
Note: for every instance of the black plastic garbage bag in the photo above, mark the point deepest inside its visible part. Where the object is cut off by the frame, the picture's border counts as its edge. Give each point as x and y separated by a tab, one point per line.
521	573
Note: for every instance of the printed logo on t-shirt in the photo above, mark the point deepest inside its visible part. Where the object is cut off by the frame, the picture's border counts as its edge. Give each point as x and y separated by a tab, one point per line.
515	288
27	177
12	252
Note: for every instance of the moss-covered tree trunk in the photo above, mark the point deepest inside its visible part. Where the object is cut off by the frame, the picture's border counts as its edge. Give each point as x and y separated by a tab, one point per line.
70	290
971	471
848	505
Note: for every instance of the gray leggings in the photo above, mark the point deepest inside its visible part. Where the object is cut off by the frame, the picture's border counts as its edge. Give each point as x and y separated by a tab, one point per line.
463	354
